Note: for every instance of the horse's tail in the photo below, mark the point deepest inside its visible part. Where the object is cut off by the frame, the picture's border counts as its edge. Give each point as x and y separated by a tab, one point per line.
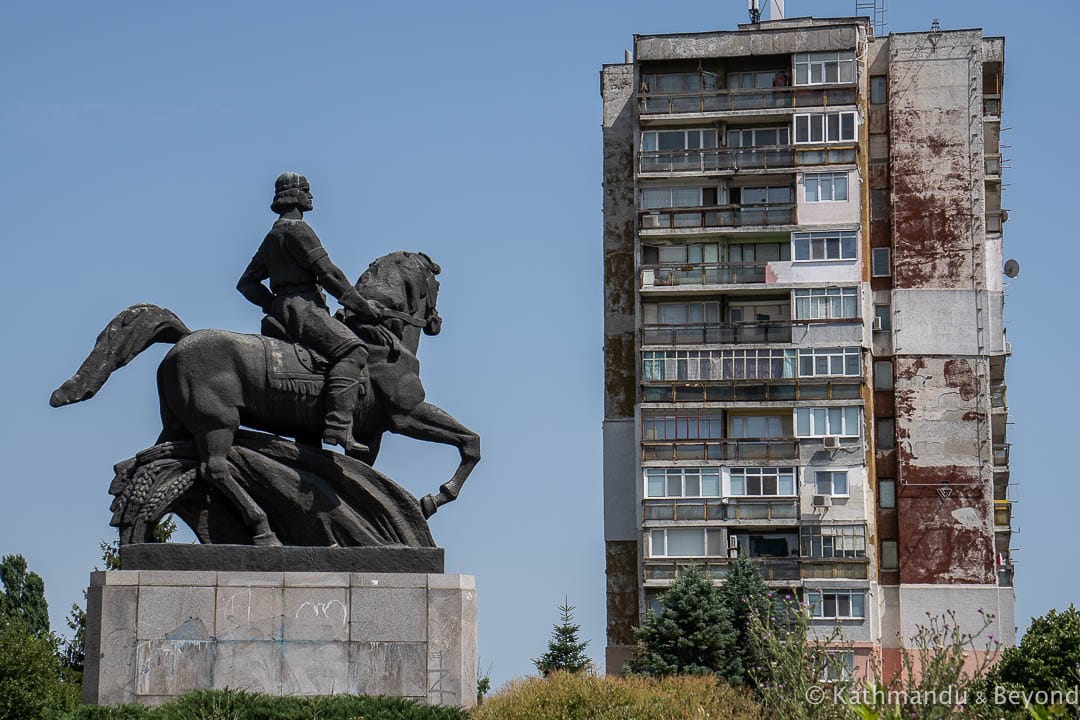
128	334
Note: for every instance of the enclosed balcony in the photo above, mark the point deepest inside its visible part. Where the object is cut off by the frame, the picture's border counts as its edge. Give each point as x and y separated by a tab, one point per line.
723	100
713	263
781	511
720	216
664	572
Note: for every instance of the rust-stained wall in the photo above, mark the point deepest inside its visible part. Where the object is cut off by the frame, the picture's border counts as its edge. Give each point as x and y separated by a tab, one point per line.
944	493
933	147
622	601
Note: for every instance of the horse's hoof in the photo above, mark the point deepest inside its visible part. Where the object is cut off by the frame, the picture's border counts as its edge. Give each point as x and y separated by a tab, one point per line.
428	506
266	539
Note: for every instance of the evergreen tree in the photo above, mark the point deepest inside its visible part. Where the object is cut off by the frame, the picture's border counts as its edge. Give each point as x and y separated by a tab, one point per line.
565	651
22	599
692	636
745	595
1047	658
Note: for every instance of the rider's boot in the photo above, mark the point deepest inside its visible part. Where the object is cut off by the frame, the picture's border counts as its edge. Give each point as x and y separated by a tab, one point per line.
344	387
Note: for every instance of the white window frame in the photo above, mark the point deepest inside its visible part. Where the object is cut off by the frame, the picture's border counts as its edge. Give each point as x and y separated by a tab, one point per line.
667	474
726	364
819	129
741	419
660	537
823	421
828	299
815	602
821	181
880	262
783	129
844	357
890	550
780	474
890	493
670	201
842	245
816	68
699	132
832	483
844	542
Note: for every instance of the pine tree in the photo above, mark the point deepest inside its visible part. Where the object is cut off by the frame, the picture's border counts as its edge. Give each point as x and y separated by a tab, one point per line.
565	651
22	599
692	636
745	595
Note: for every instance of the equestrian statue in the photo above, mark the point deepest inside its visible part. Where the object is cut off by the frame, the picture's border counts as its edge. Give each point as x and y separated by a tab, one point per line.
229	402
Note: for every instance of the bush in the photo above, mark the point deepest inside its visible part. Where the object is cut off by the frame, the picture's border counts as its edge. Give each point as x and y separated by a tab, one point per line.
239	705
31	679
565	696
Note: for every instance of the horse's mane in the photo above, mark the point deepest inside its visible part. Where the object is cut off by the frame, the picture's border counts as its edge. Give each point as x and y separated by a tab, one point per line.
400	279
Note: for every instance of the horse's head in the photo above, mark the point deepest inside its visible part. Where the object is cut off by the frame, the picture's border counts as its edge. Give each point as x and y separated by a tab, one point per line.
405	283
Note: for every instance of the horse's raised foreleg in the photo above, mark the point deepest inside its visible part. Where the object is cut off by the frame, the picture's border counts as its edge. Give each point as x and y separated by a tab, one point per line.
433	424
213	447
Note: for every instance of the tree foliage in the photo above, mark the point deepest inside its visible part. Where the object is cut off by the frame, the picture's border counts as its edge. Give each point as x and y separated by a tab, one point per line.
566	652
22	599
747	599
1047	658
693	635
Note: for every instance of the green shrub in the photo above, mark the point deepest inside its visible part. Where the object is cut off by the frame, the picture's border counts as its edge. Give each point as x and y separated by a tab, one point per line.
31	679
565	696
239	705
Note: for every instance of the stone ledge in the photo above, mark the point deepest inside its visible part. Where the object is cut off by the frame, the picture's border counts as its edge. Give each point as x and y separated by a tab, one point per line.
248	558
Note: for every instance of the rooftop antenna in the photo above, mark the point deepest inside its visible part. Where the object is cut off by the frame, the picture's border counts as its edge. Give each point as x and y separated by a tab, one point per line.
875	9
755	10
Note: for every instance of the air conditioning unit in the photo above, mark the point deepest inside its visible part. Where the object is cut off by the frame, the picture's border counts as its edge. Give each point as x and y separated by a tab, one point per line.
821	501
877	324
650	222
831	442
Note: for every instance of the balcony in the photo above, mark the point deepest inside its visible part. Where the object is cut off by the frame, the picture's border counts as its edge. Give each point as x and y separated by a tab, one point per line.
739	159
732	273
741	510
1001	456
719	216
762	449
835	569
747	390
772	570
770	331
713	101
1003	515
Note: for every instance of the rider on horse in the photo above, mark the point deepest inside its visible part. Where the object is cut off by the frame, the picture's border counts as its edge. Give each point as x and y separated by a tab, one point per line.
297	266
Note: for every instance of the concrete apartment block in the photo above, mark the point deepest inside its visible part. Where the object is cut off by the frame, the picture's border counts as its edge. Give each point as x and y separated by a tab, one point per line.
804	335
154	635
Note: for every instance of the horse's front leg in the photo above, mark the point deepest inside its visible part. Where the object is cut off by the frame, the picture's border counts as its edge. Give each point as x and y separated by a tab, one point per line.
433	424
213	447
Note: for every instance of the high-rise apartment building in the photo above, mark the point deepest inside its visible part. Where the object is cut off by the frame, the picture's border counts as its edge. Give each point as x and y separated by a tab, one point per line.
804	344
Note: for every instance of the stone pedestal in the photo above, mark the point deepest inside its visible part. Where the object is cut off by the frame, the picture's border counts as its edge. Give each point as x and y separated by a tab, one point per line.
152	635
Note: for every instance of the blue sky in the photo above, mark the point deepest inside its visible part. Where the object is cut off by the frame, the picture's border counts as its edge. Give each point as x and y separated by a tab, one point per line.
140	142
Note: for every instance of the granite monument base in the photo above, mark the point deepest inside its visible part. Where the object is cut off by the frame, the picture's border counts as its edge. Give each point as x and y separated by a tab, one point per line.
152	635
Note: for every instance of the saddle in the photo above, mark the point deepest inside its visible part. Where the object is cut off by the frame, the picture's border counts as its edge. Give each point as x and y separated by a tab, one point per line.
291	367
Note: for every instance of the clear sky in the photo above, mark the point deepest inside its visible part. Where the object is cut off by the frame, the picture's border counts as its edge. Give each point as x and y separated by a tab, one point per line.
139	144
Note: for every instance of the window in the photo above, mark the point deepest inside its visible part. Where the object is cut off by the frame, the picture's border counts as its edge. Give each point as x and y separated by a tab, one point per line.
879	205
890	556
824	68
665	140
885	433
826	303
757	426
829	245
754	364
776	195
879	85
827	362
882	317
839	666
680	313
759	252
883	375
686	542
836	604
758	79
830	127
822	421
678	82
826	187
762	481
758	137
693	254
685	425
682	482
758	311
879	148
833	541
831	482
886	494
880	262
671	197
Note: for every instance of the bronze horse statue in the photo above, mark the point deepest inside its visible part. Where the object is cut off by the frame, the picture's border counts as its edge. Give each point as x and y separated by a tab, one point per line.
212	382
